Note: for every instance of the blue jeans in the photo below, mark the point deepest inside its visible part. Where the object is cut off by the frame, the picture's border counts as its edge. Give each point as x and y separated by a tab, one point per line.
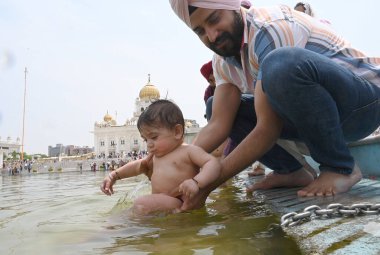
276	158
322	104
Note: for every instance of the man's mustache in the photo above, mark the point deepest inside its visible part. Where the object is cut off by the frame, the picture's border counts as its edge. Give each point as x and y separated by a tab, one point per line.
220	39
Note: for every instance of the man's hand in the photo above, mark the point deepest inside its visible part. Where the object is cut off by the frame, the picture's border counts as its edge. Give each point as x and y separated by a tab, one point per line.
196	202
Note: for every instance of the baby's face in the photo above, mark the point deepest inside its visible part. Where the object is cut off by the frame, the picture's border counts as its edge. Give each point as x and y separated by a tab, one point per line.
159	140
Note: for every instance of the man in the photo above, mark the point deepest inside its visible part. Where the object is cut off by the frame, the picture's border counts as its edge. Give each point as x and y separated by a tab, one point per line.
206	71
226	147
306	8
311	87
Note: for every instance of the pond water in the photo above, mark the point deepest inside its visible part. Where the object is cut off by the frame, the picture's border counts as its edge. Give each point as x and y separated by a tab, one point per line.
66	213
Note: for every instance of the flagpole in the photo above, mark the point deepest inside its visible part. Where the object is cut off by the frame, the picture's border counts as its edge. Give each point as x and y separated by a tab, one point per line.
23	118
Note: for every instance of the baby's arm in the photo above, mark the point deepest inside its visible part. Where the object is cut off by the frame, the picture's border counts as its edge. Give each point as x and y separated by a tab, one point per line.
130	169
210	169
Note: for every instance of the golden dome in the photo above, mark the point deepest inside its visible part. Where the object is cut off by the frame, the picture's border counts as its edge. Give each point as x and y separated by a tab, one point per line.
107	118
149	91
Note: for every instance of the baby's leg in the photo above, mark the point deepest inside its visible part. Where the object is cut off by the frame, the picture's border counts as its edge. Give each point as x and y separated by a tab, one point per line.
153	203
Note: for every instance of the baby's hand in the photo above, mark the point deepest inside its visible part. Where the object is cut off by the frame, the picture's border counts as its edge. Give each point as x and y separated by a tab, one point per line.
189	188
107	184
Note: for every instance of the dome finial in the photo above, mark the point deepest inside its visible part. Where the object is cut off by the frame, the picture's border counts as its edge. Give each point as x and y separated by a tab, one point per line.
107	117
149	91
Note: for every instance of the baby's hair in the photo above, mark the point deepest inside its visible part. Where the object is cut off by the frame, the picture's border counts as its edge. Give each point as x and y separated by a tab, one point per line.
161	113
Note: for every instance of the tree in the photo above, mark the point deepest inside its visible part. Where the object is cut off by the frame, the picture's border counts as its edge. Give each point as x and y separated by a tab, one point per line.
14	155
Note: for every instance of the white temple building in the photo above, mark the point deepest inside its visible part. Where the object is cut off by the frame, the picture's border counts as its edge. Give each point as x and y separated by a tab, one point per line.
7	147
117	140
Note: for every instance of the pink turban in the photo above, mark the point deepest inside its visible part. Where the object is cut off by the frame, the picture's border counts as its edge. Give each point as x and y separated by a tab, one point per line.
181	7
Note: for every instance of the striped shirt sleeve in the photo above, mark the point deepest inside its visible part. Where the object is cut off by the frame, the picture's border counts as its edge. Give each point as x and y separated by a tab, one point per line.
279	33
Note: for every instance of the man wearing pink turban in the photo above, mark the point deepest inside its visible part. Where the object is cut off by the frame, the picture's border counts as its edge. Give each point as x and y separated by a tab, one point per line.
305	80
181	8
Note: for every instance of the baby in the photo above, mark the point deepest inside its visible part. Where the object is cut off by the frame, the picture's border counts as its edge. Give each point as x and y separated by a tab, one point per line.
174	168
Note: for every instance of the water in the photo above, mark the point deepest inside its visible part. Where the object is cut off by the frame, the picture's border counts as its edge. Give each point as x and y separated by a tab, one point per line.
66	213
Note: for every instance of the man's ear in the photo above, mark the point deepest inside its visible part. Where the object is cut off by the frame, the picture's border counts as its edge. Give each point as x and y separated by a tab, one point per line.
179	130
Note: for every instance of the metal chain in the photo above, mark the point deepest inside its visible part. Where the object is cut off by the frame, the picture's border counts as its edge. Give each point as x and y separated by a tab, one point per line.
332	210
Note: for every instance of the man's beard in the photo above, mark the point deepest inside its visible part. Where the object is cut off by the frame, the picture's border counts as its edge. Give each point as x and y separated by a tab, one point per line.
232	40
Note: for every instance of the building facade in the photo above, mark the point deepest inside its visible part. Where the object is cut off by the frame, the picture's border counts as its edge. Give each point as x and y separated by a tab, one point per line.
7	147
113	140
56	151
69	150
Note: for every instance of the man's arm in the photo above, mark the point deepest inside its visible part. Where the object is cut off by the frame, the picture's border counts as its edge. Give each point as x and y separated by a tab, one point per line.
225	105
258	142
209	166
209	171
224	109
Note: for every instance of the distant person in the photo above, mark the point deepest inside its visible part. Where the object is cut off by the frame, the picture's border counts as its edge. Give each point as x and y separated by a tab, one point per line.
10	169
206	71
246	4
176	170
306	8
29	166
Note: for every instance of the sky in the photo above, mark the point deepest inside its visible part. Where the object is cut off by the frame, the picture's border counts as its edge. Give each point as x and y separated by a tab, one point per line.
87	57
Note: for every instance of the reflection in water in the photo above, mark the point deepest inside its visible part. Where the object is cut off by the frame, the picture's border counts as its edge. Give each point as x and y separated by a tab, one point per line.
66	213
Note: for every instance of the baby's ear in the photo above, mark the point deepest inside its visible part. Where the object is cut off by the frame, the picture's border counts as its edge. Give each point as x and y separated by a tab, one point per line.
178	129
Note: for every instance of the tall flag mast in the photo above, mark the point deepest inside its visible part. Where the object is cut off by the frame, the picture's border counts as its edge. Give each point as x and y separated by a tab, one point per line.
23	118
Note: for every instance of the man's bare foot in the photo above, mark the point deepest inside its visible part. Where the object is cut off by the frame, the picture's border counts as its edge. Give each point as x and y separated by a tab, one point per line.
257	172
298	178
329	184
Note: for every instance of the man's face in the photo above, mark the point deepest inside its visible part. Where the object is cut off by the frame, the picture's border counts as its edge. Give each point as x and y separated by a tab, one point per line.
220	30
